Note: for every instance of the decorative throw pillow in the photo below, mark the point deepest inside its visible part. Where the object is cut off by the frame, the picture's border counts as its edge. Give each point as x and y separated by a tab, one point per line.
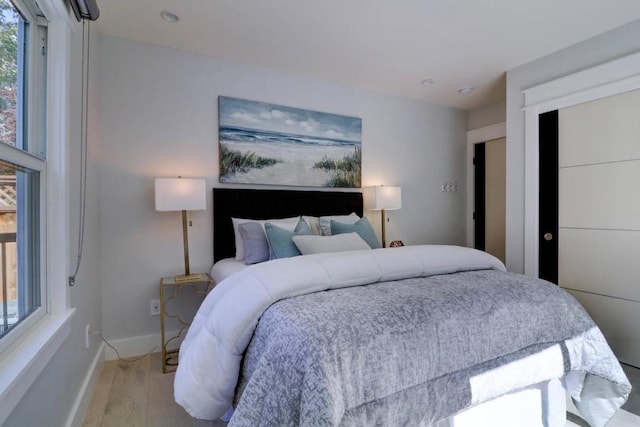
314	224
325	221
288	223
362	227
336	243
254	239
280	243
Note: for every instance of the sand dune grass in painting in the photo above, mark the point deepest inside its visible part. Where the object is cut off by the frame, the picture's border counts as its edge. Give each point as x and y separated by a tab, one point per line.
284	164
345	172
233	161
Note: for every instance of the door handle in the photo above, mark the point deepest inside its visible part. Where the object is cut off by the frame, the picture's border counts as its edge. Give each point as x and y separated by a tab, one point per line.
548	237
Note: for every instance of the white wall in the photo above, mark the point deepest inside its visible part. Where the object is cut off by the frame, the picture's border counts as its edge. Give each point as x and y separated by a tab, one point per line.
614	44
52	398
159	118
487	115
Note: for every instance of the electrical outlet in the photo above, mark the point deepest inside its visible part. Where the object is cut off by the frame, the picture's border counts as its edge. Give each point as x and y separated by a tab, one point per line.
449	187
155	307
87	331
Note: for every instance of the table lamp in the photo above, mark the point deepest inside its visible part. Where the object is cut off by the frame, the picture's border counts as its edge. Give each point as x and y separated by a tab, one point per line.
181	194
383	198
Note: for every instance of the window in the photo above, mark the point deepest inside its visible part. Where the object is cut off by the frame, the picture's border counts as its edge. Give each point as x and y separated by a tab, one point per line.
22	162
42	320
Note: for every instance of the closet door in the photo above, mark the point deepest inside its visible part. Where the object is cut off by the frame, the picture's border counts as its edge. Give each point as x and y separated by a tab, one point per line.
490	196
599	215
495	197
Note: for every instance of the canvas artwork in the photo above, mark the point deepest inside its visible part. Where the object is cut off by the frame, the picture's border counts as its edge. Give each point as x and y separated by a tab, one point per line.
262	143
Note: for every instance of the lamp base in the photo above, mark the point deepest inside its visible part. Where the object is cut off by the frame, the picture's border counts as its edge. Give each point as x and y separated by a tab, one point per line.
188	277
384	233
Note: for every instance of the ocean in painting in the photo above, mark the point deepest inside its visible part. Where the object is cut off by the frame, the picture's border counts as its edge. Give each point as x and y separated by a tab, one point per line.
230	134
263	143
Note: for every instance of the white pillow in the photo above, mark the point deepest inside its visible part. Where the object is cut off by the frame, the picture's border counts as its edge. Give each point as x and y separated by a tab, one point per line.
286	223
325	221
337	243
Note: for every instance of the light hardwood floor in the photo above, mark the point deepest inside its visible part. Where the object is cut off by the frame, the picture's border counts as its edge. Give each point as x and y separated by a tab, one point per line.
633	403
138	394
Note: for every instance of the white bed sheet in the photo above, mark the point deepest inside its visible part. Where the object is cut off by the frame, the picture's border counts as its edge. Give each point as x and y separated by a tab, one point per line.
225	268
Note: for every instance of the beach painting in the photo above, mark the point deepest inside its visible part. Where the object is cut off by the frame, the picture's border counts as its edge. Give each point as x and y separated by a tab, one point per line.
262	143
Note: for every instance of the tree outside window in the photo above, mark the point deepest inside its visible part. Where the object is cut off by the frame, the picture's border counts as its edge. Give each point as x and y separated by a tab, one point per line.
8	71
9	20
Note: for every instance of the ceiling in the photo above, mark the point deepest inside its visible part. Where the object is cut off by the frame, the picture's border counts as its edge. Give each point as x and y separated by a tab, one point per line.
382	45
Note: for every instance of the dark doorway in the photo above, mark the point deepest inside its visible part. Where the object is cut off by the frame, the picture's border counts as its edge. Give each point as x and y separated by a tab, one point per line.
548	197
479	215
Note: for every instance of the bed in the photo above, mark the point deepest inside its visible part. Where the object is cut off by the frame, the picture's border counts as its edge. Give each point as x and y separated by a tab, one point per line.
417	335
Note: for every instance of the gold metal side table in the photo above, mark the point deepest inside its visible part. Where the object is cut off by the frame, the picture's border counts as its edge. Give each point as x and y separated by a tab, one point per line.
169	291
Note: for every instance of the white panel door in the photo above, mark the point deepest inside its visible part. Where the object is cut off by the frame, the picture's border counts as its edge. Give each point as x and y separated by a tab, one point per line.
600	262
618	320
600	196
606	130
599	215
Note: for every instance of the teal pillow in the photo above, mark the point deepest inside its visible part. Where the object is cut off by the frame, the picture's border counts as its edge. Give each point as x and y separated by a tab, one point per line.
362	227
280	243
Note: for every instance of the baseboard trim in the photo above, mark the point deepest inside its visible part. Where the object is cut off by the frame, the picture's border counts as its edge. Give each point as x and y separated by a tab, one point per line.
134	346
81	404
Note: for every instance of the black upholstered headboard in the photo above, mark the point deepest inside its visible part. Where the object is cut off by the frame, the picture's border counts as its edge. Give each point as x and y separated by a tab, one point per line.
266	204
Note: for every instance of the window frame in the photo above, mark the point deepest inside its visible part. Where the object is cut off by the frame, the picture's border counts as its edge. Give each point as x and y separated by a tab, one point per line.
42	336
34	94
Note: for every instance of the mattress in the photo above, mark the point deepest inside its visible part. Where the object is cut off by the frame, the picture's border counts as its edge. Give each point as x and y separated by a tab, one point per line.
225	268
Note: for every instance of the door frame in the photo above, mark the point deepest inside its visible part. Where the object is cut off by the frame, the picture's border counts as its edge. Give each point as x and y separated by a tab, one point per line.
612	78
477	136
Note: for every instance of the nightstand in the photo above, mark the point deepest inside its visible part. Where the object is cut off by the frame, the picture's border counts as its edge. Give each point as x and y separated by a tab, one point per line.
174	316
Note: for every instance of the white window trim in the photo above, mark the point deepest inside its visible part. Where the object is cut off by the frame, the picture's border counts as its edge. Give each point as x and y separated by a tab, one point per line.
20	367
612	78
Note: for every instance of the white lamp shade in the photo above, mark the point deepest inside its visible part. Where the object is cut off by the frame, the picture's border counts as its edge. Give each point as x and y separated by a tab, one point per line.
180	194
387	197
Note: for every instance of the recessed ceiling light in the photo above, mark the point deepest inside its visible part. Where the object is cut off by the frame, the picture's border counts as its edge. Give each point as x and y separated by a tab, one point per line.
428	82
169	16
466	90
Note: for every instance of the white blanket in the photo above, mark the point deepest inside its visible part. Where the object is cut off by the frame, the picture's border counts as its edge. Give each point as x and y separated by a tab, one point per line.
211	353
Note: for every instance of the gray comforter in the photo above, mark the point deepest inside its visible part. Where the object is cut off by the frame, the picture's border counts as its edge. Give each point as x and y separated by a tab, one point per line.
406	352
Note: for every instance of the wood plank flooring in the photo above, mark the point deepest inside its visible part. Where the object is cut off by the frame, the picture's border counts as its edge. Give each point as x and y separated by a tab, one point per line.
138	394
633	403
